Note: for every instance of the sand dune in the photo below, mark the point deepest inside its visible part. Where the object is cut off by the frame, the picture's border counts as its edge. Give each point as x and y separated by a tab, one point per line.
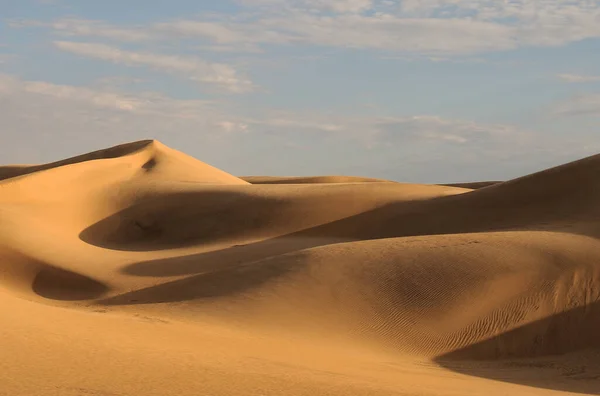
140	270
473	185
309	179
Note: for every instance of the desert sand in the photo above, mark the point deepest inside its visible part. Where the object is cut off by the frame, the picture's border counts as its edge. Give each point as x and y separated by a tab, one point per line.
138	270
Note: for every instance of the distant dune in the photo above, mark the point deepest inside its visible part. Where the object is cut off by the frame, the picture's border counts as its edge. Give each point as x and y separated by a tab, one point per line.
309	179
473	185
138	270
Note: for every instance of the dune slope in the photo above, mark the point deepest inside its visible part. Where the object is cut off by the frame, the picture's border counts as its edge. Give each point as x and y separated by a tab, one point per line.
140	270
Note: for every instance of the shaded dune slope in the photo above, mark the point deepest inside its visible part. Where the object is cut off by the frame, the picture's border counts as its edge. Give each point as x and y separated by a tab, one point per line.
509	270
29	277
473	185
167	218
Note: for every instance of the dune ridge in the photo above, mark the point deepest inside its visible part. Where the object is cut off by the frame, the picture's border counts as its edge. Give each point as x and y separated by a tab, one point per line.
309	285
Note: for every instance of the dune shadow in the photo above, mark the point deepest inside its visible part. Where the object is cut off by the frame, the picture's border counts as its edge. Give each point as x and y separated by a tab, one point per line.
221	282
399	219
472	185
393	220
186	218
59	284
522	356
534	354
224	258
159	222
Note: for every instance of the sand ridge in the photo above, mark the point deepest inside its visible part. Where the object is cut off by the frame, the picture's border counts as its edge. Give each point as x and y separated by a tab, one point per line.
140	270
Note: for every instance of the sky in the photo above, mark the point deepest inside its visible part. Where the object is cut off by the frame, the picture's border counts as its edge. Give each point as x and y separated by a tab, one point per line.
428	91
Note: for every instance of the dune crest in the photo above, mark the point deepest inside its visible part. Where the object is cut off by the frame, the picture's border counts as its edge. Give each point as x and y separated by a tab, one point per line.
154	156
140	270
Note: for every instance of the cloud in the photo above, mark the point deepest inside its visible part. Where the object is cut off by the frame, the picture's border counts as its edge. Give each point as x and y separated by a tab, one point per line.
139	104
341	6
5	58
224	33
195	69
580	105
77	27
85	27
438	28
434	27
369	129
64	120
58	121
372	132
350	30
442	131
232	126
577	78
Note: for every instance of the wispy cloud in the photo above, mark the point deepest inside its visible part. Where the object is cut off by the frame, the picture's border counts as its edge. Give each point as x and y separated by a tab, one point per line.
44	111
577	78
369	129
196	69
89	28
438	28
422	26
341	6
579	105
348	30
374	131
142	103
5	58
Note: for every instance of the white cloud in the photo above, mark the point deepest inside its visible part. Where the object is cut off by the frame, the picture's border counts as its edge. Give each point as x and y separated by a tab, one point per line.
193	68
580	105
443	130
314	122
5	58
226	119
432	27
425	26
341	6
416	148
78	27
374	131
577	78
85	27
83	118
224	32
233	126
350	30
141	104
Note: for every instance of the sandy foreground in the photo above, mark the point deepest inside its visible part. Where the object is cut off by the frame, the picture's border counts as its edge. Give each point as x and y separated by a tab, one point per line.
138	270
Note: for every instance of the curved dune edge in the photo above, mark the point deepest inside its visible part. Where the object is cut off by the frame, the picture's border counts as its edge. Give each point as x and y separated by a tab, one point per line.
473	185
376	292
32	279
139	253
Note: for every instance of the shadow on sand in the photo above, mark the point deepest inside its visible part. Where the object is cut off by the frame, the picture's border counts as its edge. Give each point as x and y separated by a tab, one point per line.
561	352
529	355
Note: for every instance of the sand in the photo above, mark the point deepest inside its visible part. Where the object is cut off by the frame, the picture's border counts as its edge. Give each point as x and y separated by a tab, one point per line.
138	270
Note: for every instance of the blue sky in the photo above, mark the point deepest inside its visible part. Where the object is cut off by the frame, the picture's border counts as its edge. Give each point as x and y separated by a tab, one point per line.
411	90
